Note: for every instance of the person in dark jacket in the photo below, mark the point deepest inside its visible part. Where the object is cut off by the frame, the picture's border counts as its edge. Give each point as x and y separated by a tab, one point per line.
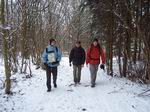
51	58
77	57
93	55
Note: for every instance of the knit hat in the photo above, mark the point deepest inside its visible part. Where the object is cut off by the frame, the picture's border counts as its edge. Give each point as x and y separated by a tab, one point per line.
51	40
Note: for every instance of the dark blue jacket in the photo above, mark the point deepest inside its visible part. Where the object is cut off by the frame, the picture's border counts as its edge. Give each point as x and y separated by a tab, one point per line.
77	56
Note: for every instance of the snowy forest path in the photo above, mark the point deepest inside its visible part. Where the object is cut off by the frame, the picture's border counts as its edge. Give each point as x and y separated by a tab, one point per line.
109	95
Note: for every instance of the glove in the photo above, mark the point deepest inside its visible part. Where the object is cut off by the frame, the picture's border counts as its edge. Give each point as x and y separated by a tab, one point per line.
45	64
102	66
69	64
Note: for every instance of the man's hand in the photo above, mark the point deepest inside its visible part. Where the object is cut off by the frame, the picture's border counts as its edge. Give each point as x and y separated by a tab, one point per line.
102	66
45	64
70	64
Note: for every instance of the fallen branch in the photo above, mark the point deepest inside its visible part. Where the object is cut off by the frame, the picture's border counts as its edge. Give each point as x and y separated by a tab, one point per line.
144	93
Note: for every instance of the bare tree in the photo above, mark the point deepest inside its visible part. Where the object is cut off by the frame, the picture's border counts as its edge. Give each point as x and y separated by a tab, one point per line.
5	49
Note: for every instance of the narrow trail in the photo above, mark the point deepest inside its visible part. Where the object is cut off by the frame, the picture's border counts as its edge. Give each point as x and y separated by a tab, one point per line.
109	95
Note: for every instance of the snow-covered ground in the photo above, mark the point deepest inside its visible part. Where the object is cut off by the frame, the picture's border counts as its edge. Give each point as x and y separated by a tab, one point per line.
109	95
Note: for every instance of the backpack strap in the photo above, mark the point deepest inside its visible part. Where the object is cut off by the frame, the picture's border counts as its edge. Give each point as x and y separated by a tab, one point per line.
55	48
46	50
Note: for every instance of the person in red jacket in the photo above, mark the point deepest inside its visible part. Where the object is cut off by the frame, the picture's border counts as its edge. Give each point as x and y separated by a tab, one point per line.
93	55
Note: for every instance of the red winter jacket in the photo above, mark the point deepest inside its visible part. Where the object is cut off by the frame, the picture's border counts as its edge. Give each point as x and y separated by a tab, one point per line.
93	55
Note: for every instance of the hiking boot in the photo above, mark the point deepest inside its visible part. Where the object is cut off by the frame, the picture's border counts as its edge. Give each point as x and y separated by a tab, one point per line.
55	85
93	85
48	90
79	83
75	84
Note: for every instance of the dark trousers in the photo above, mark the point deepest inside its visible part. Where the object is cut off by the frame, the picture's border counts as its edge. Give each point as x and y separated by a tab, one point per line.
51	71
77	73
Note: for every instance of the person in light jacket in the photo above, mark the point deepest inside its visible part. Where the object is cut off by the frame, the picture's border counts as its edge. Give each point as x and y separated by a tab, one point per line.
51	58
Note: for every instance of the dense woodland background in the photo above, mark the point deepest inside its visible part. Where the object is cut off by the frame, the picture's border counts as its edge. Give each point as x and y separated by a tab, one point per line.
122	26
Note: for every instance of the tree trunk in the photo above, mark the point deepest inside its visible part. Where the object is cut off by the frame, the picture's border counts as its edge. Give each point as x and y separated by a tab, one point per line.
5	51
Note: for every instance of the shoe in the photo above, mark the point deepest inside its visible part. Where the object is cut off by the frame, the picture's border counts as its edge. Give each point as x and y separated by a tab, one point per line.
79	83
55	85
93	85
75	84
48	90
